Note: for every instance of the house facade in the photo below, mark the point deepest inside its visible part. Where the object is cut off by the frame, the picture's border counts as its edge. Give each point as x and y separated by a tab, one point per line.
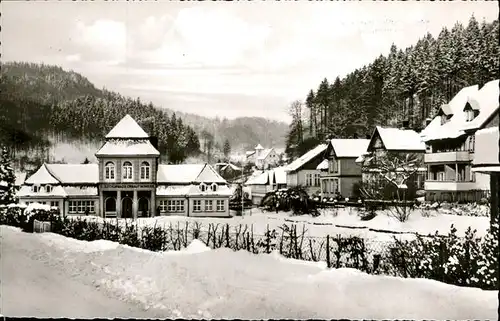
486	161
128	182
263	158
393	142
339	172
303	171
451	145
261	183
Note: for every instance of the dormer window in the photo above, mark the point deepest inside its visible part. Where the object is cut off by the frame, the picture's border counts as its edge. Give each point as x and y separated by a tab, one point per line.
35	188
127	171
48	188
469	115
213	187
203	187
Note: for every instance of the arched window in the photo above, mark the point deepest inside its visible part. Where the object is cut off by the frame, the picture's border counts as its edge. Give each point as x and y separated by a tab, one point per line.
48	188
145	171
127	171
110	205
213	187
109	171
35	188
203	187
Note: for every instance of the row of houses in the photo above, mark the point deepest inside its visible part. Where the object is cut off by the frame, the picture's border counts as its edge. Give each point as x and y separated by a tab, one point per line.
456	151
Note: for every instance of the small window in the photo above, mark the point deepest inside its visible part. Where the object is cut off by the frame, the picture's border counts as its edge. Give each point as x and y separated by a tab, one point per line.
48	188
35	188
213	187
203	187
197	205
127	171
109	171
209	206
220	206
145	171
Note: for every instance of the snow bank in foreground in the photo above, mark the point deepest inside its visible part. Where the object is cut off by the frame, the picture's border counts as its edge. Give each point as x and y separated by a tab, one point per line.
72	245
226	284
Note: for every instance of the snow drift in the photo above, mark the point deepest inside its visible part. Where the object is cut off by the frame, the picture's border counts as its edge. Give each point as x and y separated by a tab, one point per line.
203	283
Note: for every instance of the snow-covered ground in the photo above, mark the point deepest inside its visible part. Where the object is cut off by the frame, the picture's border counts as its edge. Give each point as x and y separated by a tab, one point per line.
343	221
203	283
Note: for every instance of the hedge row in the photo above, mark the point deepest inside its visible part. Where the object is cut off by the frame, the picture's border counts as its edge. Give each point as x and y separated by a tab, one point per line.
463	261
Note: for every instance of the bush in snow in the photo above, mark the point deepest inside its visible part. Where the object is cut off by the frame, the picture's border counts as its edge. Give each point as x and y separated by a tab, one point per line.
13	216
295	199
467	261
487	274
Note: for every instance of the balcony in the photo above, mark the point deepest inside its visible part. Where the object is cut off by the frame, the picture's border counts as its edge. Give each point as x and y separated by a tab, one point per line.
449	186
449	157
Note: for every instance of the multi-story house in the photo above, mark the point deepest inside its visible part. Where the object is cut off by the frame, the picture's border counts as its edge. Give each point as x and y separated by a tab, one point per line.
399	143
487	158
262	183
128	181
303	171
451	144
263	158
339	171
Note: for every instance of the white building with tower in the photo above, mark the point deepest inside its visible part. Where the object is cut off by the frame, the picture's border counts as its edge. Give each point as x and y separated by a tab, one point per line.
128	181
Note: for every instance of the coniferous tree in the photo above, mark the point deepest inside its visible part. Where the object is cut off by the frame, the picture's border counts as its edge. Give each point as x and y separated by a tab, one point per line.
8	177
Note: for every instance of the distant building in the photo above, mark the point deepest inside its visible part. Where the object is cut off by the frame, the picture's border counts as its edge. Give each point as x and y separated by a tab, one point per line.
128	181
451	144
263	158
263	182
398	142
303	171
339	170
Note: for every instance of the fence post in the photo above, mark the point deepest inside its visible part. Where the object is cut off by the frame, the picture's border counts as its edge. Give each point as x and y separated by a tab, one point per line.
328	264
227	235
268	240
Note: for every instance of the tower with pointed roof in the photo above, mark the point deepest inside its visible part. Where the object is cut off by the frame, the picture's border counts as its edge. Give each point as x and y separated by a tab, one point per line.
127	171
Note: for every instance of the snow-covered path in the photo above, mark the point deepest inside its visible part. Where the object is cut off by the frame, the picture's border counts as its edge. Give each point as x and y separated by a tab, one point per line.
34	284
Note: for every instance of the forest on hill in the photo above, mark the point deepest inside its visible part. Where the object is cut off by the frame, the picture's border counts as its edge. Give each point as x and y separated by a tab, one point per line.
406	85
42	101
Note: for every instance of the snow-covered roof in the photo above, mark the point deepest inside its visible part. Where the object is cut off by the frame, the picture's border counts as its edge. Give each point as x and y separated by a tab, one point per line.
26	191
249	153
75	173
127	127
484	100
307	157
265	153
128	147
279	175
276	175
486	147
20	178
80	191
42	176
233	167
349	147
188	173
259	146
323	165
192	190
400	139
259	179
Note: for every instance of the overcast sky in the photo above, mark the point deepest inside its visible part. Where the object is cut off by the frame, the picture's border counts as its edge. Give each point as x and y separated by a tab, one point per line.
220	58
